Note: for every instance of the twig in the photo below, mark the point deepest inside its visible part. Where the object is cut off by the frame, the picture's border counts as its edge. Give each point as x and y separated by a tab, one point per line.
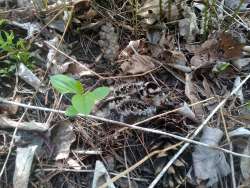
242	24
87	152
155	131
58	169
168	112
230	147
12	143
198	130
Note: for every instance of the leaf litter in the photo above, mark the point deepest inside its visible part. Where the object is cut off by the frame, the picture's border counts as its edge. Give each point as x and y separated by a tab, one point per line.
163	65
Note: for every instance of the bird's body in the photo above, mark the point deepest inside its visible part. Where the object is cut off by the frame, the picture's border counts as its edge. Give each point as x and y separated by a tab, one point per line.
131	102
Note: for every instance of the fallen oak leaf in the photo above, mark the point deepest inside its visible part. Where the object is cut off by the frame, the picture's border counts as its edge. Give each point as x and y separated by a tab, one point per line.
229	47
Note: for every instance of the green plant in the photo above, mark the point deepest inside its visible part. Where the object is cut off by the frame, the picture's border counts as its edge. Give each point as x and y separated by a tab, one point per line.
209	13
220	67
14	51
82	101
248	104
135	6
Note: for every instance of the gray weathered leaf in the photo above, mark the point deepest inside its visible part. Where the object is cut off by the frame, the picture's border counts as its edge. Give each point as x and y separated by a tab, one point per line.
101	176
209	164
245	162
62	137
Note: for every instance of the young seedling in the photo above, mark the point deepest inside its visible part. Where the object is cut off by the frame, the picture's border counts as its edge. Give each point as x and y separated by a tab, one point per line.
17	51
82	101
220	67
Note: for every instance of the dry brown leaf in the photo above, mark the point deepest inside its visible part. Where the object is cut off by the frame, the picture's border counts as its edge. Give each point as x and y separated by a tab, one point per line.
78	69
176	57
200	60
82	9
29	77
219	46
10	109
207	88
177	60
229	47
169	42
138	64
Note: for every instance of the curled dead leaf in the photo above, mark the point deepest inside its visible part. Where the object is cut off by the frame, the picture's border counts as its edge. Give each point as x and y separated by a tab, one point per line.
138	64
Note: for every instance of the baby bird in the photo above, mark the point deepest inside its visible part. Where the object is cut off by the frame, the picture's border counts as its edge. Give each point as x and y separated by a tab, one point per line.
132	102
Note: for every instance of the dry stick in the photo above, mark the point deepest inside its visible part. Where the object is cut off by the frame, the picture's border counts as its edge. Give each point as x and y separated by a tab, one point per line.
65	30
198	130
242	24
58	170
230	147
232	14
118	176
130	126
12	142
168	112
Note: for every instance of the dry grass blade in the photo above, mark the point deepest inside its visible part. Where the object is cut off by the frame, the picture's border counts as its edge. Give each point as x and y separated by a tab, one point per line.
140	162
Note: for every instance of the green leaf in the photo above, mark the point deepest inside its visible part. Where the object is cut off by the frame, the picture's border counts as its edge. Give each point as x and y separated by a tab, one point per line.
248	105
9	37
83	103
222	67
3	21
65	84
71	111
21	44
101	92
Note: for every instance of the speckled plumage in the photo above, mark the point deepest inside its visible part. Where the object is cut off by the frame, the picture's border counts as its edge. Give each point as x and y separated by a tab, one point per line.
131	102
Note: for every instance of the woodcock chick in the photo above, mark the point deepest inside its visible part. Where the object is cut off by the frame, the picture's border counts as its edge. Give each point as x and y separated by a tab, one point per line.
132	102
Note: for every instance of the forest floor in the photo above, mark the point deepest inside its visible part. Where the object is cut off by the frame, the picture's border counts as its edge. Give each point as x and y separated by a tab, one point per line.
125	94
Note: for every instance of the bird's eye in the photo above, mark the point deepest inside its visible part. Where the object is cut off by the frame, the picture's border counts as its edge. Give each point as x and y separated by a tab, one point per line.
150	11
141	92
